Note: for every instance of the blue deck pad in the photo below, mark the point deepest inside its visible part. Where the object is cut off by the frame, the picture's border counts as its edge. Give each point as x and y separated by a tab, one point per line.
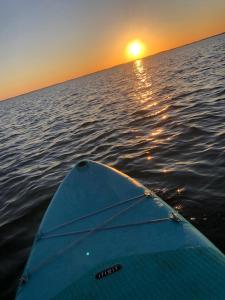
185	273
120	221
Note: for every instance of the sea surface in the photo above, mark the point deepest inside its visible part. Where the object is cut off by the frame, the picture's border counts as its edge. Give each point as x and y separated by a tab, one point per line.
161	120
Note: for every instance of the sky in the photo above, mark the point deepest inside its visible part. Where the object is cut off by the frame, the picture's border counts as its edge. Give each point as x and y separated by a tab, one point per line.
43	42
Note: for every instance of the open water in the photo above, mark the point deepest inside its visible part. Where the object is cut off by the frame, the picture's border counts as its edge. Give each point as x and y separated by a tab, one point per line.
161	120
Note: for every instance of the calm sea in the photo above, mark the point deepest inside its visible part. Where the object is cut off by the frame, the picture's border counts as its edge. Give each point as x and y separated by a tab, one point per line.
161	120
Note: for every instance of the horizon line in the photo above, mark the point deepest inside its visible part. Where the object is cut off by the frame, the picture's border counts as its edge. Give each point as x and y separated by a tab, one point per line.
108	68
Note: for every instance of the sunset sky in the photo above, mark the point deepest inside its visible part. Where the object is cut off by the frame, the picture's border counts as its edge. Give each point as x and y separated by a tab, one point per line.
46	42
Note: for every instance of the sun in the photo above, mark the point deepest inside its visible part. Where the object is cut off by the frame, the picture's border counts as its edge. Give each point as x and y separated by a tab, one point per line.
135	49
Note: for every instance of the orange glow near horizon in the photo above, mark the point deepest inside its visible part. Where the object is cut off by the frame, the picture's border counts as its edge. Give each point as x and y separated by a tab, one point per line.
27	74
77	38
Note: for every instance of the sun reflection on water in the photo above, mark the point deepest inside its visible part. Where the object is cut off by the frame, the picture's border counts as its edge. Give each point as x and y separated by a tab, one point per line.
153	108
149	157
167	170
156	132
180	190
143	91
179	207
150	105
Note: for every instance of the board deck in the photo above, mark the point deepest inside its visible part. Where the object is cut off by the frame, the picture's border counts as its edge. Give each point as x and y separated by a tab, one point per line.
105	236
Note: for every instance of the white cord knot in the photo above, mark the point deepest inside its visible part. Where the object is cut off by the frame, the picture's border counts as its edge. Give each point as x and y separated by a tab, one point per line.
24	278
175	217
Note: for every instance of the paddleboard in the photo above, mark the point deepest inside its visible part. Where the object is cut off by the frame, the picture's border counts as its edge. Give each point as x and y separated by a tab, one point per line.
106	236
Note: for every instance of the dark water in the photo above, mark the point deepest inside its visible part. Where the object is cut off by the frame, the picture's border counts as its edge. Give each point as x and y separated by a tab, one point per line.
160	120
